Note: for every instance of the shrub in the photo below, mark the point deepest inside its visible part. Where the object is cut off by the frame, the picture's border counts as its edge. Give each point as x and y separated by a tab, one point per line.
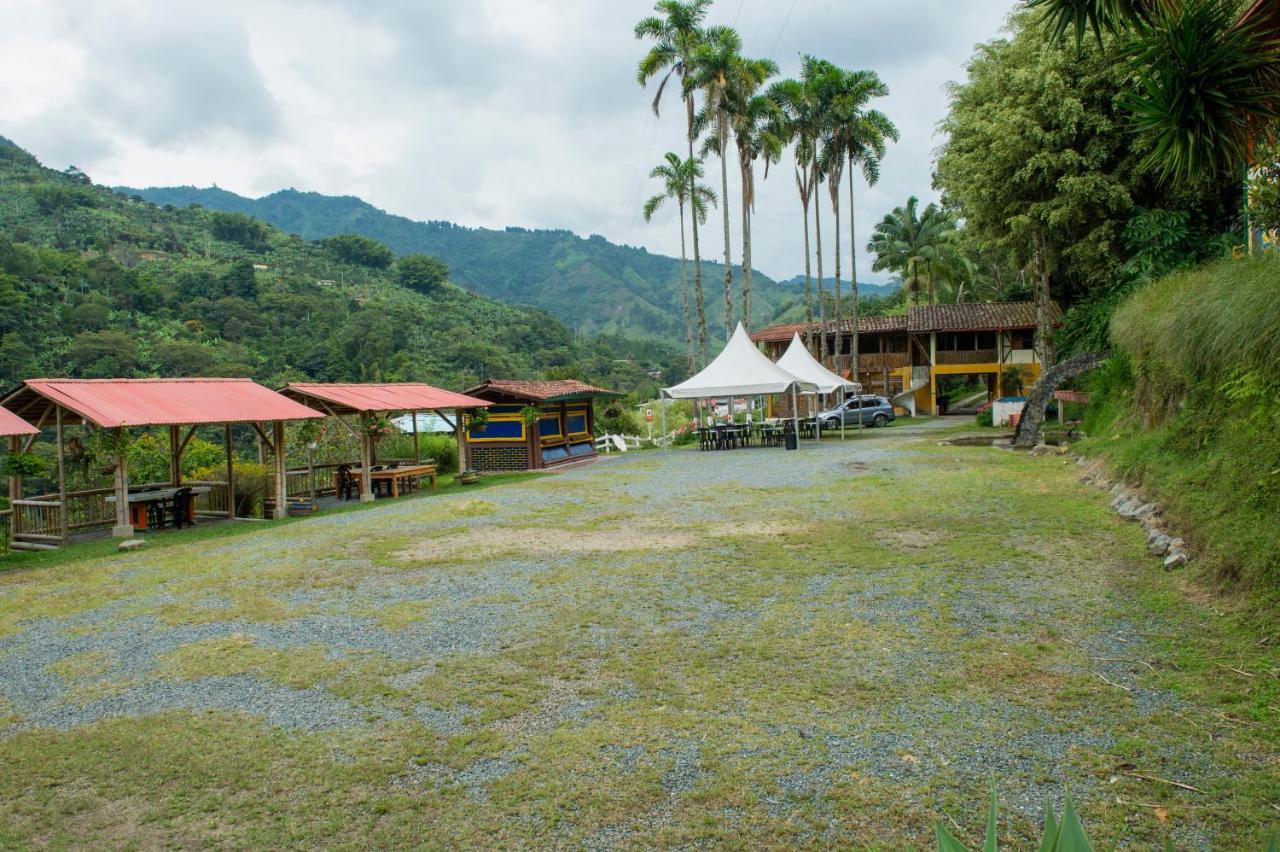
252	480
23	464
984	417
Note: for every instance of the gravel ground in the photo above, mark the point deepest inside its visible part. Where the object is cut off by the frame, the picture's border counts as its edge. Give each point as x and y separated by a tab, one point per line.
479	607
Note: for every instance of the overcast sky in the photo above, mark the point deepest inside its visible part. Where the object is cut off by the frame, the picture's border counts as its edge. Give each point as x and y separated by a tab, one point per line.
486	112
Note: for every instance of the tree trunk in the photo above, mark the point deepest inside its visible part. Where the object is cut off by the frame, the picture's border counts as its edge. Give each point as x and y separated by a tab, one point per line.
684	280
697	255
817	236
1044	305
808	291
748	181
723	121
835	229
853	280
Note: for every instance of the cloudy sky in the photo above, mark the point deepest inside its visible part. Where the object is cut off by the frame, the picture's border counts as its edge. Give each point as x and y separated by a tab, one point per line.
486	112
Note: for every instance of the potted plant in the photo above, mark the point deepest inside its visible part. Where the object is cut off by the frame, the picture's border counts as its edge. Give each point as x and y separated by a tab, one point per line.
378	426
109	446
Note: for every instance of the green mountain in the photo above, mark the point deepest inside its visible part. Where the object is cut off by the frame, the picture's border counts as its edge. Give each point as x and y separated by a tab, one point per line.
94	283
591	284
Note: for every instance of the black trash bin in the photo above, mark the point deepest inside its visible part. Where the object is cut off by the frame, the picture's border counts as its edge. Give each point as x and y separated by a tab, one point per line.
792	441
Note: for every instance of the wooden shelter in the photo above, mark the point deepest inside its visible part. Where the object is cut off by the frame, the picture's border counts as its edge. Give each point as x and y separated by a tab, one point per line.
364	401
112	407
563	430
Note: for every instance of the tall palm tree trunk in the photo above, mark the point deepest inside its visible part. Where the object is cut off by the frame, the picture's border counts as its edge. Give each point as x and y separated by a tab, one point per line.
817	235
747	192
853	281
684	280
697	255
835	210
723	121
1044	305
808	290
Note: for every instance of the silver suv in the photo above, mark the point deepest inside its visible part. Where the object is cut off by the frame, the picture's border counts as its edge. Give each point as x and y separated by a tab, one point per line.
874	411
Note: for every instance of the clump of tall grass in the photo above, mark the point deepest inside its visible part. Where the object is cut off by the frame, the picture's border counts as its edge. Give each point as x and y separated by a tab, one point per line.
1202	328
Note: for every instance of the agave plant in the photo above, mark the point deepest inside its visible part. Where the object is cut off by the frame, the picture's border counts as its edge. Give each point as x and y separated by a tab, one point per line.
1060	835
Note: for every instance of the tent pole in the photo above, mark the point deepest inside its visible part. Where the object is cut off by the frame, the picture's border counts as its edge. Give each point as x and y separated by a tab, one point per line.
842	399
795	415
817	424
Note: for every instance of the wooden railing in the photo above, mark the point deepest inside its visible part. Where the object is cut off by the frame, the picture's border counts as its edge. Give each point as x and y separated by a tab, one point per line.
212	503
967	356
882	360
39	519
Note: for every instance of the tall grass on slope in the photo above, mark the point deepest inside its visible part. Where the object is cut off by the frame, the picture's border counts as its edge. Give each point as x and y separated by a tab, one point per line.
1190	407
1200	329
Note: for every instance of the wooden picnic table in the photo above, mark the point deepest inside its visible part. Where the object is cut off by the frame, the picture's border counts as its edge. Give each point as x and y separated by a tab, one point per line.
392	474
141	500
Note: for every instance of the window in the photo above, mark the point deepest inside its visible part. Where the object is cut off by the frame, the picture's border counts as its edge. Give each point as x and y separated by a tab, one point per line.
986	340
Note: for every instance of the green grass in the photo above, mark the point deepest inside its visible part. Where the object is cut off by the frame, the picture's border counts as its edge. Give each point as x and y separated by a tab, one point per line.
671	697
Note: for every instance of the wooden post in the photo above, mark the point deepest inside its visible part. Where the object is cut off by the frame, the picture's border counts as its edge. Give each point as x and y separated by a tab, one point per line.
282	495
231	477
366	461
122	529
15	481
417	457
175	457
460	437
63	514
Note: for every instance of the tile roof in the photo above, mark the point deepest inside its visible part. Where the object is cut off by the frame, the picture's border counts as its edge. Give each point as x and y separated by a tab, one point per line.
389	396
976	316
109	403
542	391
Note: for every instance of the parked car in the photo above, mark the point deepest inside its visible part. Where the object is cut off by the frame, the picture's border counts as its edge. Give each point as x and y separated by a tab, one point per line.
874	411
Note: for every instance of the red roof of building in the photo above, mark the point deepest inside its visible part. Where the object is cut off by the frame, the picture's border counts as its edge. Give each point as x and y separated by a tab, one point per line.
552	391
11	424
395	396
108	403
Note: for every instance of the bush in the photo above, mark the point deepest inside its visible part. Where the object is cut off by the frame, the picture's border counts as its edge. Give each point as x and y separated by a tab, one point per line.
252	481
985	417
617	419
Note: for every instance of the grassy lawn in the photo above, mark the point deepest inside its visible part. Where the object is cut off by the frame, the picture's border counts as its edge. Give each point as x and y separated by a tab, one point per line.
836	646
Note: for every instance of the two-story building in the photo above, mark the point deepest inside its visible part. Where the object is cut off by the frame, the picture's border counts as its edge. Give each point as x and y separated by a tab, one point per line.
903	357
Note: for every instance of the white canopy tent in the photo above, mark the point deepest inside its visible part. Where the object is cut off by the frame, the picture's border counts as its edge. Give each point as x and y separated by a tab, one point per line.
739	370
798	361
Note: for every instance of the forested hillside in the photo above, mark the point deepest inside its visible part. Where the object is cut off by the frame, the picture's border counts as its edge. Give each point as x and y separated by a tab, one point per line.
94	283
591	284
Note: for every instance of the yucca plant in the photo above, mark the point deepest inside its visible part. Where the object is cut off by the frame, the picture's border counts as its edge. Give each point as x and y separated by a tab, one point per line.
1064	835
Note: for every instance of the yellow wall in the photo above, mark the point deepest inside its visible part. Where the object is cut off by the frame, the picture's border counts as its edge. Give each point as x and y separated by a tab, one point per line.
927	395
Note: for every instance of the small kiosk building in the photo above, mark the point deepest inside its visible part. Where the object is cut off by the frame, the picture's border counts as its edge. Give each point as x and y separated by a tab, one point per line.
533	425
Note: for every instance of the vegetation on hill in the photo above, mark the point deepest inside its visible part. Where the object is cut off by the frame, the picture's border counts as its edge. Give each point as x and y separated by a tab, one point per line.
1190	408
588	283
94	283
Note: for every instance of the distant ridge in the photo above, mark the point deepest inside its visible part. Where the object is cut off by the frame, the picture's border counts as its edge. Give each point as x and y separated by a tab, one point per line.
591	284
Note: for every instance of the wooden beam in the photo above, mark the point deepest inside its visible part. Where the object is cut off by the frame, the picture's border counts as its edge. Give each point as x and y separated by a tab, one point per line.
122	529
175	457
62	481
366	462
231	476
39	424
282	496
15	482
417	457
264	438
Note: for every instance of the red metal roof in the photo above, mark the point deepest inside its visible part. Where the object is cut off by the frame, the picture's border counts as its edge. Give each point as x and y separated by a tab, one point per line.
109	403
398	396
542	391
12	424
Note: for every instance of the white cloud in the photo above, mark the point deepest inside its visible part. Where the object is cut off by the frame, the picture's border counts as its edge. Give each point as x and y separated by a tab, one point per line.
493	113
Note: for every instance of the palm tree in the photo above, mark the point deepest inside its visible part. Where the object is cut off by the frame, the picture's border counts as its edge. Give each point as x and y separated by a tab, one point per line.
677	33
727	78
1209	76
915	245
858	137
678	177
799	102
822	78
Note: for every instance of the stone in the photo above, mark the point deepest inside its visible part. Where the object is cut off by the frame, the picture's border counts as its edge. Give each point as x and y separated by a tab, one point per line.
132	544
1159	546
1177	544
1145	510
1176	559
1154	532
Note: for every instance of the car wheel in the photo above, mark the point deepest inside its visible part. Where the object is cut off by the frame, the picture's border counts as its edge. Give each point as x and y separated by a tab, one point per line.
831	424
880	420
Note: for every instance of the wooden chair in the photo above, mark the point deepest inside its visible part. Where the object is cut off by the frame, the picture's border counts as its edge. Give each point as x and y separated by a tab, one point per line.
176	511
347	484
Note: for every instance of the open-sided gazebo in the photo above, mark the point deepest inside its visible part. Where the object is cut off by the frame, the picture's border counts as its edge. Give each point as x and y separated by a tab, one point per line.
363	401
117	405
